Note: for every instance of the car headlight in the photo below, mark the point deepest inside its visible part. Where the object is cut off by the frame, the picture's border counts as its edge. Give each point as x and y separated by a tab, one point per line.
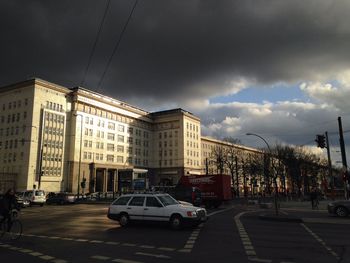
191	214
330	204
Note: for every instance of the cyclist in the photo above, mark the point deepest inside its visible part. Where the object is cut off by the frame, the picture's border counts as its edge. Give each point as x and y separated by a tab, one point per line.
7	204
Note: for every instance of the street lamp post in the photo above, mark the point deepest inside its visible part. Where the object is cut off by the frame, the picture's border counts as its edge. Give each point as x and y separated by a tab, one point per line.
81	139
275	182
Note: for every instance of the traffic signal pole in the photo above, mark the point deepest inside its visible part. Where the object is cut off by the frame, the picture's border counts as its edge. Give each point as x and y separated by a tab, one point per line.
343	157
329	164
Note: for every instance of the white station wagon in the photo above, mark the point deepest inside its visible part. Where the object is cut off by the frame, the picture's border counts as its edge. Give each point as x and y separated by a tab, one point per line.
155	207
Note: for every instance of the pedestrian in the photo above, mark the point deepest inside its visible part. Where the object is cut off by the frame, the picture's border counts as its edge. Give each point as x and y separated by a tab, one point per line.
7	204
313	198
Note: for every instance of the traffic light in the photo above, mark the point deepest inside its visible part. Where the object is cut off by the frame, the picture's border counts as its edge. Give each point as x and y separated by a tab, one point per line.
321	141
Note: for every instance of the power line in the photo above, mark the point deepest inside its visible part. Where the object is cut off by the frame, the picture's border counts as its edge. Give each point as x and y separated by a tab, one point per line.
95	43
116	46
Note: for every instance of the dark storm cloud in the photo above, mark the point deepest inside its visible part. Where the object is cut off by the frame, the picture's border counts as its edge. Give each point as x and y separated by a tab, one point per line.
174	50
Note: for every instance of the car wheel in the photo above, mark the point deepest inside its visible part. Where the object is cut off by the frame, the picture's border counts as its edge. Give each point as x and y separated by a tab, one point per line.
176	222
341	211
124	220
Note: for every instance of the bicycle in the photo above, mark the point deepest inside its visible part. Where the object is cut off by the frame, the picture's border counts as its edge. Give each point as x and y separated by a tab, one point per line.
11	227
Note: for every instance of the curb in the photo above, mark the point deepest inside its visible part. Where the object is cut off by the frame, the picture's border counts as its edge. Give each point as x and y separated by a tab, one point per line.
280	218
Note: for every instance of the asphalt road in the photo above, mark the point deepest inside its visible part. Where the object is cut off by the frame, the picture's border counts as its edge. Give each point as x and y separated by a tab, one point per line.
83	233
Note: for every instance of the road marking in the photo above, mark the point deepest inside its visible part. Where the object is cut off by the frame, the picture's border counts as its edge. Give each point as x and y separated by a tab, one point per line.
100	257
320	241
152	255
119	260
221	211
247	244
30	252
95	241
191	241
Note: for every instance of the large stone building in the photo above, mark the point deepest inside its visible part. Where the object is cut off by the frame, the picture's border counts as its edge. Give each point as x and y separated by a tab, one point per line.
74	139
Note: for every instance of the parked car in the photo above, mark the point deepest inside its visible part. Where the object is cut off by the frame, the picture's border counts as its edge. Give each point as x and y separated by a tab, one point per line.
61	198
155	207
340	208
35	197
21	200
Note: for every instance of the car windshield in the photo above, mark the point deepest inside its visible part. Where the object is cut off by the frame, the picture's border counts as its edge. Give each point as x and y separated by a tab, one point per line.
167	200
39	193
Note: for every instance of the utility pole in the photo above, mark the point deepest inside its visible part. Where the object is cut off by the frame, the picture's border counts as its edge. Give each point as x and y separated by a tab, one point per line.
329	164
343	157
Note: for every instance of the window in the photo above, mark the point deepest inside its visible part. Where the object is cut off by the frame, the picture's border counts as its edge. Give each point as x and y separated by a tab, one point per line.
137	201
110	158
130	130
110	147
152	202
121	128
122	200
111	126
120	149
120	159
120	138
111	136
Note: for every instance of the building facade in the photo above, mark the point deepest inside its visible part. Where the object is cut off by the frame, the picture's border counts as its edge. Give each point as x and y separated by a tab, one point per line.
73	139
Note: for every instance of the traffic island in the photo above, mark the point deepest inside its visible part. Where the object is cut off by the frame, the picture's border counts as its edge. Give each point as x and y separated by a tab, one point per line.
280	218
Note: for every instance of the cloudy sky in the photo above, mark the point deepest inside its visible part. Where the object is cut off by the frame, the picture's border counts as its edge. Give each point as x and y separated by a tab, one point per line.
280	69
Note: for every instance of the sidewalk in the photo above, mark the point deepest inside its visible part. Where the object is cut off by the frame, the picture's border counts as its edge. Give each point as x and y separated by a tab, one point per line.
303	205
300	211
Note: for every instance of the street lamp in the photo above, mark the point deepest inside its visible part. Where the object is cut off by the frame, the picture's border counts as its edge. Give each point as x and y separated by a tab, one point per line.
81	139
270	153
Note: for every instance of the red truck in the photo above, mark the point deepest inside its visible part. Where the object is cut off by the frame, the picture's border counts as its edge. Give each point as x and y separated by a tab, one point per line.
215	188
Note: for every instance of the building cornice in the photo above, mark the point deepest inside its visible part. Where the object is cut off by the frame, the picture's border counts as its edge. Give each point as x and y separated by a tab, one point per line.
33	82
242	147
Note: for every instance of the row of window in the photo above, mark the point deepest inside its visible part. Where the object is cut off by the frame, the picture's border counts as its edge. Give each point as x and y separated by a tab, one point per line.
11	144
52	157
51	171
14	117
53	144
192	136
192	153
167	143
165	153
54	131
14	104
192	127
112	158
194	144
54	106
168	134
12	157
192	162
113	116
13	130
54	117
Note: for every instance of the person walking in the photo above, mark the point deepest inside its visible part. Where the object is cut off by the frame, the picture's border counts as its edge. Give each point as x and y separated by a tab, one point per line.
7	204
314	199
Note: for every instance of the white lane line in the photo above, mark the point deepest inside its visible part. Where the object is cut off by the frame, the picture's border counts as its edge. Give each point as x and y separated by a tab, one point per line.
221	211
30	252
100	257
320	241
119	260
191	240
247	244
152	255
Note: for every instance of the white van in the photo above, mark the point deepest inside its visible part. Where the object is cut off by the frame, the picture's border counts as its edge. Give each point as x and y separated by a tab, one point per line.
35	197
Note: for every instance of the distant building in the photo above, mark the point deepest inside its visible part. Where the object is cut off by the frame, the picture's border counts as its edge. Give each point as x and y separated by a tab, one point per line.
74	139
